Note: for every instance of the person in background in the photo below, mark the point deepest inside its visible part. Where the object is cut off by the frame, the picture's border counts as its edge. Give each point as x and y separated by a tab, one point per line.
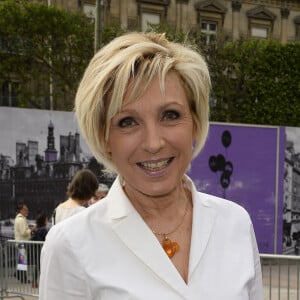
81	189
41	231
22	232
35	249
143	108
101	192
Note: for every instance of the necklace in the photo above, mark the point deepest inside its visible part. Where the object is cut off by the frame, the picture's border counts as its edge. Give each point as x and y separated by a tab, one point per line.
168	245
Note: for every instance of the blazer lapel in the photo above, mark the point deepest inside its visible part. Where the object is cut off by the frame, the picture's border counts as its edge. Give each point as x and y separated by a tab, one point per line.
137	236
203	222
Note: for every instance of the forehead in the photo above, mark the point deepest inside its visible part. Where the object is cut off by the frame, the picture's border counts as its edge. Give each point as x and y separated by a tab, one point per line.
169	89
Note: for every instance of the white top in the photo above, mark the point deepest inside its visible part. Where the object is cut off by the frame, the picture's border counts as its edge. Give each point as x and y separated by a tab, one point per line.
62	212
21	229
107	252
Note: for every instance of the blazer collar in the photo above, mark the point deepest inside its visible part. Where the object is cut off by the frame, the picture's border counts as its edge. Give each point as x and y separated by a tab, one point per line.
204	216
138	237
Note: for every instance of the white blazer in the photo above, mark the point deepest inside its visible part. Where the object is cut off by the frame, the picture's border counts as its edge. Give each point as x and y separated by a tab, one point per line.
108	252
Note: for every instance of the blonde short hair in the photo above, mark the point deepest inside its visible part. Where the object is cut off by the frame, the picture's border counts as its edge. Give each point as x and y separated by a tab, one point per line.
138	56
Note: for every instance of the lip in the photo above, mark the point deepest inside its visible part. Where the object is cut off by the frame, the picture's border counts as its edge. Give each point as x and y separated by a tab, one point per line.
155	167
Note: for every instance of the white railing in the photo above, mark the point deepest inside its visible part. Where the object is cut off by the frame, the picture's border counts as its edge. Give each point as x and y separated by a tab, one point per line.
19	269
19	278
281	276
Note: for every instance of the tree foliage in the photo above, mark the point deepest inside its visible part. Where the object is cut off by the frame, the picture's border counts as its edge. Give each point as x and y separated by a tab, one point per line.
253	81
262	84
39	44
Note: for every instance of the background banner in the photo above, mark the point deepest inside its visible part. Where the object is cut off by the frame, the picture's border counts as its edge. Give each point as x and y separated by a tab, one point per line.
255	166
245	164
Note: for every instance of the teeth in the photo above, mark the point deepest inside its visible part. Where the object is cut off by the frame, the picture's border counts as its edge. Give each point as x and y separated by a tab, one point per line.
154	166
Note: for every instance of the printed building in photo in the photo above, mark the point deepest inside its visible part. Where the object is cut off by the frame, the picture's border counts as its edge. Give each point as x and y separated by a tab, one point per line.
291	206
41	181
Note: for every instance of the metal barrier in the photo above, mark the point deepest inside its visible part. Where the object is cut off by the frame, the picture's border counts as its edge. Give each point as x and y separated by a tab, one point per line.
20	266
281	276
19	269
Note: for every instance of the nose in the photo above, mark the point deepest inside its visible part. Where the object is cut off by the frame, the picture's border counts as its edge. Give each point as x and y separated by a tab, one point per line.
153	140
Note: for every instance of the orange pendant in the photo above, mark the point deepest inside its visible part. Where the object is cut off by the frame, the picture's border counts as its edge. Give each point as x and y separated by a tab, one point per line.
170	247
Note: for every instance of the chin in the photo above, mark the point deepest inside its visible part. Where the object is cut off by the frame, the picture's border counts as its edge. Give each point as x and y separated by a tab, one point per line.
157	190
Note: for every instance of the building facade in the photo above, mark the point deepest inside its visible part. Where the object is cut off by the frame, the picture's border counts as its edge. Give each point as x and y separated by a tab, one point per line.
275	19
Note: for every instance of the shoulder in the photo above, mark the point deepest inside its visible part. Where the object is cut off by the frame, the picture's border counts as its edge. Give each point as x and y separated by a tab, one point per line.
219	203
41	232
77	224
65	212
19	218
78	233
226	210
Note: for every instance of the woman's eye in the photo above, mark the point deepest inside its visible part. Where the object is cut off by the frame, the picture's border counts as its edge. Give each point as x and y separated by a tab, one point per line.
170	115
126	122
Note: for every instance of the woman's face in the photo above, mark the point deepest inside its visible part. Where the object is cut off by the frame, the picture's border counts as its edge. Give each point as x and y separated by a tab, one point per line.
24	211
151	139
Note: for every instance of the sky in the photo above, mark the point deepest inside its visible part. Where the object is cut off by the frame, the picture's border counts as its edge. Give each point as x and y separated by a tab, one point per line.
21	125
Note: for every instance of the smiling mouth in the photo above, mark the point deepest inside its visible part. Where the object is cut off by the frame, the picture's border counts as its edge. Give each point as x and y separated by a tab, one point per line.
155	166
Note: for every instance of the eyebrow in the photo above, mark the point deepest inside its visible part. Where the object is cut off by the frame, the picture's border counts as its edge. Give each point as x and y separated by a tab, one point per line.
161	107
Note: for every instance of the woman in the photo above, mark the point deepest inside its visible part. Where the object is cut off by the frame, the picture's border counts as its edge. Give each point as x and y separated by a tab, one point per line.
142	106
82	187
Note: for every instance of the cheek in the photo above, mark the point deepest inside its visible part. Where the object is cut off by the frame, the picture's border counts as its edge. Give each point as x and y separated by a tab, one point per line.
118	145
182	140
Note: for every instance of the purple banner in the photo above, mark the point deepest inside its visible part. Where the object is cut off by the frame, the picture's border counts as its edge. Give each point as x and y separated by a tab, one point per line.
245	164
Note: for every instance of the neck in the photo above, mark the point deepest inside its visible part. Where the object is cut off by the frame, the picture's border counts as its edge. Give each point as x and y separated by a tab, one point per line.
75	202
157	206
162	214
